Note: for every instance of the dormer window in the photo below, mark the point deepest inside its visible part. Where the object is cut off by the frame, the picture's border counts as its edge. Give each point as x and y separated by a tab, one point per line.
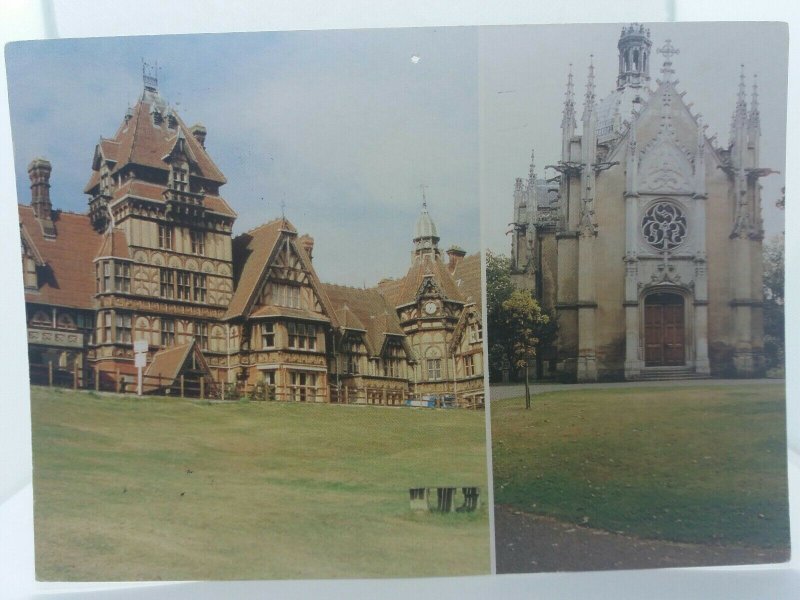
29	273
180	178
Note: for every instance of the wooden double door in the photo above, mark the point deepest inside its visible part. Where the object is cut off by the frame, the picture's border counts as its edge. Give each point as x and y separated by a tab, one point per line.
664	330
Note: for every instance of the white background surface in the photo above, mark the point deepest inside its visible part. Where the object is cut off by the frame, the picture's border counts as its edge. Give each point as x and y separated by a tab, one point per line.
83	18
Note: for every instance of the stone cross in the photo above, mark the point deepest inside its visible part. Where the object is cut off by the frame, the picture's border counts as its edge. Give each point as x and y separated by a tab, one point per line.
668	50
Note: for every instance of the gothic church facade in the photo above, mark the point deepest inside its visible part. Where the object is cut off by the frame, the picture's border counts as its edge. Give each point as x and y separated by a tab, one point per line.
647	246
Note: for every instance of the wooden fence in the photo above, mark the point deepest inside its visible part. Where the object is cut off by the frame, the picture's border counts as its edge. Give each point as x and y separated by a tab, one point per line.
204	388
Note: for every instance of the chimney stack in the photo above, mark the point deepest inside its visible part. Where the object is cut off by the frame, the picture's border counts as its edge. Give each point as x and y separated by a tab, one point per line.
307	244
199	132
454	256
39	172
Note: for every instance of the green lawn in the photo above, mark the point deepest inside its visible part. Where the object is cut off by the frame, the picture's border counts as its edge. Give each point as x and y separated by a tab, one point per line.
705	463
131	489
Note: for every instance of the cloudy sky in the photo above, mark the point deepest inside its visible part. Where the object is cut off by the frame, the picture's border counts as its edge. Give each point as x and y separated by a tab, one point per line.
523	75
342	126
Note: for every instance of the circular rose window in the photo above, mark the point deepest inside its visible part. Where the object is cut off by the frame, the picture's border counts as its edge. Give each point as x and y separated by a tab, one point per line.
664	226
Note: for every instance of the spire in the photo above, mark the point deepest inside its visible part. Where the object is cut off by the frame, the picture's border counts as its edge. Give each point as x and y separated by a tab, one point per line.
588	103
755	117
754	127
741	102
739	119
668	50
569	102
426	238
699	160
568	120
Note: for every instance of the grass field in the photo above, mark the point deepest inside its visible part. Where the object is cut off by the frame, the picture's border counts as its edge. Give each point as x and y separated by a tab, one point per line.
695	464
131	489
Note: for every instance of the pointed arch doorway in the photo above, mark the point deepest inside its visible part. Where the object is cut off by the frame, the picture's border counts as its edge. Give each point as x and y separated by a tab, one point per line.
664	330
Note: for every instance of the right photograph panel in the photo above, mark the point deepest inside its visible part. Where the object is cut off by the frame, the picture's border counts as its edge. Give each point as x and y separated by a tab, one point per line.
635	296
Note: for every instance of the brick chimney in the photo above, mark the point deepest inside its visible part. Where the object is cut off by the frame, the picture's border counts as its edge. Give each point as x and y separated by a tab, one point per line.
199	132
39	172
454	256
307	244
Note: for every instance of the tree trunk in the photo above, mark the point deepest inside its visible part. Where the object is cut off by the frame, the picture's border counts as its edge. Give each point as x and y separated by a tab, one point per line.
527	389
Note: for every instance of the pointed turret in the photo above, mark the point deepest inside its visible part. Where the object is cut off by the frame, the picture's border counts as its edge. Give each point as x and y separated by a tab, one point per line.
587	224
754	125
589	97
699	160
568	120
632	167
426	238
589	119
739	124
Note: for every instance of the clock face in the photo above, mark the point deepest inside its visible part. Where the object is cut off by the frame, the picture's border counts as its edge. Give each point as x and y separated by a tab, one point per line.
430	308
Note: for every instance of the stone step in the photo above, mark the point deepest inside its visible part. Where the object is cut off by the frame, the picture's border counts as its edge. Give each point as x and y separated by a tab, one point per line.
669	374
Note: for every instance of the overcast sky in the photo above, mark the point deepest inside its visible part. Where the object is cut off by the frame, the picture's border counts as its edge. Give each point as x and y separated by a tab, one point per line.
342	125
523	74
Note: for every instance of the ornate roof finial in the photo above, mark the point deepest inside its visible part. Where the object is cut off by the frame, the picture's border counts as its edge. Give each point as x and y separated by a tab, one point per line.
569	95
668	50
588	106
740	98
150	76
568	114
423	187
755	117
532	169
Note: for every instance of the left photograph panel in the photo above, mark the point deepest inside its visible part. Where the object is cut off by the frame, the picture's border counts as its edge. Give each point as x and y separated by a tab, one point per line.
253	296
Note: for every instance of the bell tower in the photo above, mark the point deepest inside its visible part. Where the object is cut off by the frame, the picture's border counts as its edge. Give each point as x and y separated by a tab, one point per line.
634	56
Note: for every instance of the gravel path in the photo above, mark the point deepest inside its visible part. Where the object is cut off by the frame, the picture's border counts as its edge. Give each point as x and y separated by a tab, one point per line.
528	543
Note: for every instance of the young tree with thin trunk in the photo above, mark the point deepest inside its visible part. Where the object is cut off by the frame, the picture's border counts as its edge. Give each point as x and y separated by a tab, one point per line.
524	320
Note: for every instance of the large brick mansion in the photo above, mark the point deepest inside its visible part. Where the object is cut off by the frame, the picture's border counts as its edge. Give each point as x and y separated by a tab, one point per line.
154	259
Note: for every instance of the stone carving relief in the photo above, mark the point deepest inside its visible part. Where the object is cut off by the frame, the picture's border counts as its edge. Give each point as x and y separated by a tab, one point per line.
665	169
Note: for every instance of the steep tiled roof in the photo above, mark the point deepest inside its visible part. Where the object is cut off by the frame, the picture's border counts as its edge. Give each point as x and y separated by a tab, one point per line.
141	142
364	309
403	291
251	253
68	277
285	311
154	192
168	363
115	243
467	276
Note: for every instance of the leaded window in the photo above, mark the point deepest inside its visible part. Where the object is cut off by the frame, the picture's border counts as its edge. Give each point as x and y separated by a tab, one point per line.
664	226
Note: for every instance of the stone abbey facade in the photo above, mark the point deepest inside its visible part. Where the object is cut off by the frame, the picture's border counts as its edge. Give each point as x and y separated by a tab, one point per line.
154	259
647	246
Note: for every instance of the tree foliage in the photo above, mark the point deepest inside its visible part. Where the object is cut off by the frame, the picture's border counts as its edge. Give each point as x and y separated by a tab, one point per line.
498	289
524	317
774	336
516	324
